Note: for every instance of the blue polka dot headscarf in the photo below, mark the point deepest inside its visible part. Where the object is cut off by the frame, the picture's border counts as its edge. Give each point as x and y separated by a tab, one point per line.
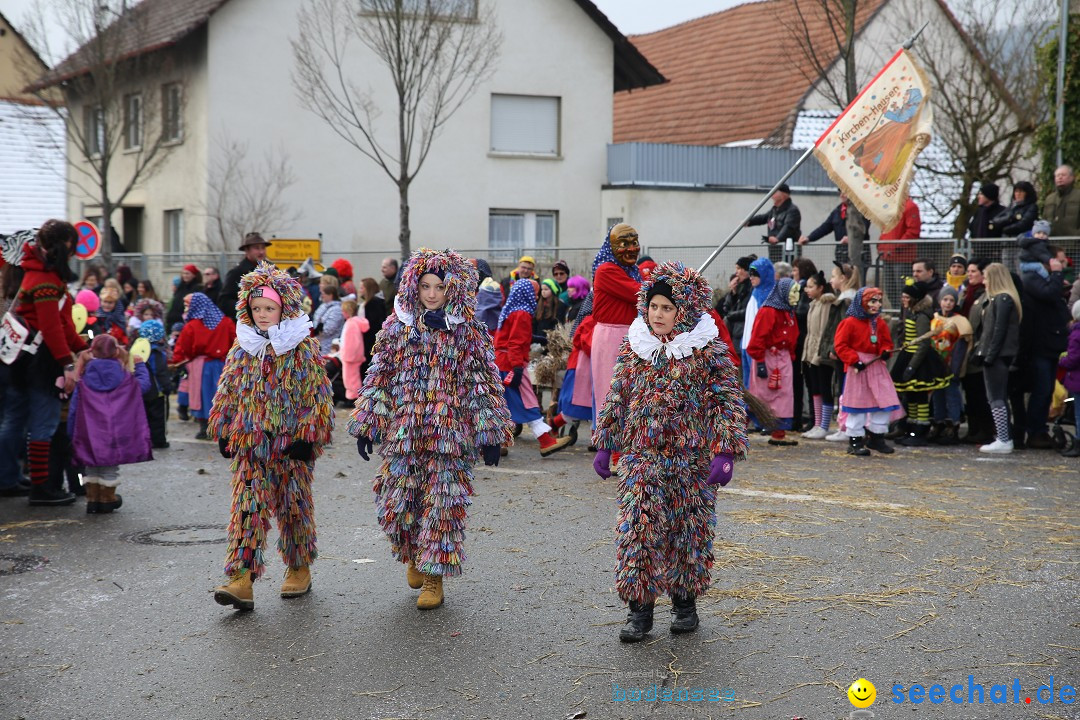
203	308
522	297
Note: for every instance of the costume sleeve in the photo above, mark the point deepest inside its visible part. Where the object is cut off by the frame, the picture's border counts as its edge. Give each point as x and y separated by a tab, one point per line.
315	418
760	335
842	340
142	376
226	405
374	407
607	433
185	344
922	326
518	328
488	413
726	411
46	299
611	279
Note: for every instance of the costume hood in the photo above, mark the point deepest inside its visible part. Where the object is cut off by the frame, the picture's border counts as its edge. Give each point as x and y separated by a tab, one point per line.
460	276
767	274
690	294
292	296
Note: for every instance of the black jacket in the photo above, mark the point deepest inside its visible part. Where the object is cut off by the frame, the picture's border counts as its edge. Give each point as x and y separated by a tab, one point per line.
733	309
212	290
1044	329
783	221
176	305
998	335
836	224
1015	219
979	224
230	288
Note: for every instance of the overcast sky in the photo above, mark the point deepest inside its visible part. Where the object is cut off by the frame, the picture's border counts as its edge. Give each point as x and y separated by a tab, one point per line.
632	17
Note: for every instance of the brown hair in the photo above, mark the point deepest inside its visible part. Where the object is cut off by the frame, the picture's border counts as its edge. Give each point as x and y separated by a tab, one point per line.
371	288
349	306
331	289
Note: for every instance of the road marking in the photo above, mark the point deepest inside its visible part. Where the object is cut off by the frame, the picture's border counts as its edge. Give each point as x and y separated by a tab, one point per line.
506	471
801	497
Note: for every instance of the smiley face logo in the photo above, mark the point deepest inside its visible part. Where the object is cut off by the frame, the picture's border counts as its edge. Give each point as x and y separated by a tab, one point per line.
862	693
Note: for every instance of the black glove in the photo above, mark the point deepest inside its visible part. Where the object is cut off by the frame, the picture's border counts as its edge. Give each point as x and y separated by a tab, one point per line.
860	366
223	448
300	450
515	377
762	371
435	319
976	360
886	354
491	454
364	447
988	361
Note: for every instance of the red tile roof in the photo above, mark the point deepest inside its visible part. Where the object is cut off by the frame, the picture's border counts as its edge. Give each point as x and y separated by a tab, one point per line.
730	77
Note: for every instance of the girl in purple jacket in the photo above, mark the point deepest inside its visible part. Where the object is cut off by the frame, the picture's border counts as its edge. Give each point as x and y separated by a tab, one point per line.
106	420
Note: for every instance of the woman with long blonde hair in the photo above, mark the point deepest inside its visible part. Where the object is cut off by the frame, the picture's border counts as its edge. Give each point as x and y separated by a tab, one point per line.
996	344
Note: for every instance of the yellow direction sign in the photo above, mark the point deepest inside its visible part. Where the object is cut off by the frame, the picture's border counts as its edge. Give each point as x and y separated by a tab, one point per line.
293	251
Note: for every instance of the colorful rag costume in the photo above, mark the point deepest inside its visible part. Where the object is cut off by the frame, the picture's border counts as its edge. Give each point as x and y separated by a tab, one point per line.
615	297
203	344
674	405
433	396
274	413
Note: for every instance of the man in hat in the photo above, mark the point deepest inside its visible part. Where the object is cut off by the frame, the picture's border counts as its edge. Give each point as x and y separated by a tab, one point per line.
957	275
1062	209
526	269
987	207
783	222
254	248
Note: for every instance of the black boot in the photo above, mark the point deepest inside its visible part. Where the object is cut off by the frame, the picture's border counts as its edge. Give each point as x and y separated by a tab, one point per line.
857	446
573	431
899	430
684	617
182	413
916	436
49	494
876	441
201	435
638	622
934	436
949	434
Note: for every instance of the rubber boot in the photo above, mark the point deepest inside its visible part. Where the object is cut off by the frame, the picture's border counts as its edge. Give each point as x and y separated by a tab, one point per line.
876	441
414	577
297	582
431	596
238	592
93	498
201	435
108	499
684	616
857	446
639	622
916	436
550	444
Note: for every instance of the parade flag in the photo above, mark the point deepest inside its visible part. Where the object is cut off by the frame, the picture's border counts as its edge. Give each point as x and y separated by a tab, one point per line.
870	150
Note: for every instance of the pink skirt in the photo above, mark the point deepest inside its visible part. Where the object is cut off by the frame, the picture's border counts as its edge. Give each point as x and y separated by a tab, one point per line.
869	390
583	382
606	341
782	399
194	378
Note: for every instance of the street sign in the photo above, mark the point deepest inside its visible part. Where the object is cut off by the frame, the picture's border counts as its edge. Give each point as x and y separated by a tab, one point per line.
293	251
89	240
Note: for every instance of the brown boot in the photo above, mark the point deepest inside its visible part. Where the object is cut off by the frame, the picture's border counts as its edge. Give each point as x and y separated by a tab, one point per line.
237	593
93	498
297	582
414	577
431	596
108	499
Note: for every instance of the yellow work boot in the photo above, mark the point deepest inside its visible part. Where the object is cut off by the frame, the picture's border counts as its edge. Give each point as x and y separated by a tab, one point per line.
297	582
237	593
431	596
414	576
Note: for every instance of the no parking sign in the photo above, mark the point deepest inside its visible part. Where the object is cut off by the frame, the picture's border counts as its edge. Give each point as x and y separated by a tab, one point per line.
89	240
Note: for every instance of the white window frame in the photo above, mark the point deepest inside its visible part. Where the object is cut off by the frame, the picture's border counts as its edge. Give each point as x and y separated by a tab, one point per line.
173	242
530	221
94	127
172	112
133	121
501	146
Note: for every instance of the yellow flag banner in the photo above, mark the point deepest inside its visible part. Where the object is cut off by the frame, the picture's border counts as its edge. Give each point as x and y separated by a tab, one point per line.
870	151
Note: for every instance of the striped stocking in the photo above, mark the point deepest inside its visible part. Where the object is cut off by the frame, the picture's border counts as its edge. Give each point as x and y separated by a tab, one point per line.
38	456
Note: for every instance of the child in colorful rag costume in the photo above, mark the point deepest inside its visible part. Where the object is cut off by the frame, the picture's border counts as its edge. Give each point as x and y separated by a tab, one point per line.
863	344
433	395
675	408
512	342
772	350
272	414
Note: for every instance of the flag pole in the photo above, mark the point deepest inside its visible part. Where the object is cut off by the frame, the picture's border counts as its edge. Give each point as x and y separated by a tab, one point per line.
757	207
708	261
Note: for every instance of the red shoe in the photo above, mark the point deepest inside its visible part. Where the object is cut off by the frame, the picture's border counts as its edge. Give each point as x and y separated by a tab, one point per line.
550	444
557	421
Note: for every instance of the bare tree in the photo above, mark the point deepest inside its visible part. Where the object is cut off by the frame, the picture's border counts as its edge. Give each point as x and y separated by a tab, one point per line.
436	51
112	111
820	35
246	195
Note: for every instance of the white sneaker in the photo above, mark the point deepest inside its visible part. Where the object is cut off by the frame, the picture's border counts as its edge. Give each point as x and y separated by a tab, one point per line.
816	433
838	436
997	447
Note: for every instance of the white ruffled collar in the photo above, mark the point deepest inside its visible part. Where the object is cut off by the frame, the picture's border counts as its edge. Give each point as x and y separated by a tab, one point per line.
283	337
649	347
408	319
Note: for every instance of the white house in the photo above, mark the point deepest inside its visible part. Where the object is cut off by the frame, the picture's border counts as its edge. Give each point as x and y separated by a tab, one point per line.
521	164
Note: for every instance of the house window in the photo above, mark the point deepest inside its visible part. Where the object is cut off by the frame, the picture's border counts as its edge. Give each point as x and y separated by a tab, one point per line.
94	125
525	124
174	232
133	121
512	232
172	129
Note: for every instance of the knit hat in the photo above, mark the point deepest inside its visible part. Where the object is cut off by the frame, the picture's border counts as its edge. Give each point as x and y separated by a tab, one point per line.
660	287
88	299
344	268
561	265
267	292
192	268
526	258
103	347
958	260
152	330
552	286
687	290
1041	226
916	290
989	191
783	187
176	327
947	291
267	281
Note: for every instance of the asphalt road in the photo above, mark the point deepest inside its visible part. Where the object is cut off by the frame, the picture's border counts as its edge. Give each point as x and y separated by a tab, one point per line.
920	568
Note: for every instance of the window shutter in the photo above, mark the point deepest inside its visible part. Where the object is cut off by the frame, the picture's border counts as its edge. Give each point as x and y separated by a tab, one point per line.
525	124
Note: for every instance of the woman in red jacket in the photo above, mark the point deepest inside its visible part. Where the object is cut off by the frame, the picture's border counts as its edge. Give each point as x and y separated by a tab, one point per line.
512	342
203	344
772	348
30	398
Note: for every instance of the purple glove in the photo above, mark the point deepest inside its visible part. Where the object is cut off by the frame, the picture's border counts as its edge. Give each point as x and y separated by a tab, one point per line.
602	463
721	469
